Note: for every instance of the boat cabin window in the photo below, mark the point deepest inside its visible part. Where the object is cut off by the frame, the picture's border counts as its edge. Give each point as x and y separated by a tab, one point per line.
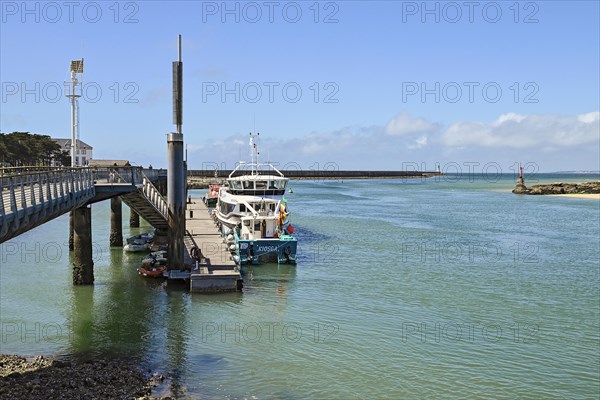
226	208
247	223
242	208
236	185
272	185
261	185
280	184
248	185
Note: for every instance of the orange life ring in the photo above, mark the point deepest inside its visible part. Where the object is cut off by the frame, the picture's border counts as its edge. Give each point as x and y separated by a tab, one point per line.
195	253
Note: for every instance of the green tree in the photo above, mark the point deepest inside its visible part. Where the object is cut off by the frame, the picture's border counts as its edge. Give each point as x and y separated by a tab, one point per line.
24	148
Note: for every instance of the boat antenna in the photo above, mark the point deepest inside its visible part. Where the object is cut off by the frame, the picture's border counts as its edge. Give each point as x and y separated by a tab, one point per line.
256	148
254	153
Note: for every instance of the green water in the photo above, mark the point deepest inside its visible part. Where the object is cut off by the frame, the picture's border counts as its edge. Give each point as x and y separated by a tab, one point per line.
450	287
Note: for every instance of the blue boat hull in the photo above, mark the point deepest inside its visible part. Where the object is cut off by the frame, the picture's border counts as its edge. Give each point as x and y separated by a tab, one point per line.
281	250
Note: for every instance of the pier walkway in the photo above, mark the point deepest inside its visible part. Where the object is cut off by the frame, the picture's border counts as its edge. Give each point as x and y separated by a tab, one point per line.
215	272
32	196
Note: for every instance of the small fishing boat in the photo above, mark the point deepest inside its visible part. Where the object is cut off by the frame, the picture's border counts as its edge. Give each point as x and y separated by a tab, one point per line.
212	195
139	242
155	258
155	246
136	245
152	272
146	236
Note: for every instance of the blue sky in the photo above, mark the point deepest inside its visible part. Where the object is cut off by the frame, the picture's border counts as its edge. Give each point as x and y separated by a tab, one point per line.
350	84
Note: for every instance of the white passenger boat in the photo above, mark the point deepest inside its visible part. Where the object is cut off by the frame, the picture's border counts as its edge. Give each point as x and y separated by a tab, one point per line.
253	215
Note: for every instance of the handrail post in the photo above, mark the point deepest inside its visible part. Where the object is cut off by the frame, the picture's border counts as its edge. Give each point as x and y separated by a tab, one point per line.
40	189
13	197
23	198
32	190
2	210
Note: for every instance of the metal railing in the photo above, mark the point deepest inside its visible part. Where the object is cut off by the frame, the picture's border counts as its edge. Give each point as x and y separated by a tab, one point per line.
131	174
30	196
154	197
40	194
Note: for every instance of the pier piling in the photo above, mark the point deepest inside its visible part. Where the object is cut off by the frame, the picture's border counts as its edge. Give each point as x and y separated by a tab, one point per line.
71	231
116	222
83	264
134	219
175	195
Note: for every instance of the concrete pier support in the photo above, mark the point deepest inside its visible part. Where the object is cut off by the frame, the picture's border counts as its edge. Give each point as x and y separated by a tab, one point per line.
116	222
71	231
83	264
134	219
176	195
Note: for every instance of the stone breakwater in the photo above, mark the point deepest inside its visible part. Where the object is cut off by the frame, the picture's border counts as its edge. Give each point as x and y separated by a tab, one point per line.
559	188
201	179
47	378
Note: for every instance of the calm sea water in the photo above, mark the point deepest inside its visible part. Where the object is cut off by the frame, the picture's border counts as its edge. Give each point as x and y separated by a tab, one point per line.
449	287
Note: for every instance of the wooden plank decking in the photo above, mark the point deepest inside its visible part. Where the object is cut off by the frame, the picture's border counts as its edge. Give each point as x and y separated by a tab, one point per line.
216	272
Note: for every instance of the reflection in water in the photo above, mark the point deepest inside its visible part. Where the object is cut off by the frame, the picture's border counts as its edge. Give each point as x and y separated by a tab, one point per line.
115	316
269	276
176	338
82	320
270	279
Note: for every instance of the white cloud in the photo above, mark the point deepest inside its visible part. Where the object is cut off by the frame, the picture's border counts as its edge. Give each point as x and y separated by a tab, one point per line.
509	117
520	131
556	142
420	142
403	124
590	118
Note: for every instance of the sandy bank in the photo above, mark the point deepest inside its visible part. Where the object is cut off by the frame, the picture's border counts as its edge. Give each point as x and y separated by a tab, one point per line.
594	196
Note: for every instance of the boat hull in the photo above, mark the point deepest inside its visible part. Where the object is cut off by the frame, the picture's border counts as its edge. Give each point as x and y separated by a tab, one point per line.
152	272
136	247
281	250
212	201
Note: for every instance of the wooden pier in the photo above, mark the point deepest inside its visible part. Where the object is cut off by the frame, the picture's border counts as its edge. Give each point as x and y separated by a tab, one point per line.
215	272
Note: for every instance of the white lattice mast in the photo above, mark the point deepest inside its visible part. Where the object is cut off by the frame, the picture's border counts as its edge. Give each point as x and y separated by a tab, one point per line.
76	68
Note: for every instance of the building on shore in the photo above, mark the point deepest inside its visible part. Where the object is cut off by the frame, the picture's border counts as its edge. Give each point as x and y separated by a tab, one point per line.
84	150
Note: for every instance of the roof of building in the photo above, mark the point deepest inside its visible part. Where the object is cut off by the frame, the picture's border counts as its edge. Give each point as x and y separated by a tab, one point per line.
67	143
108	163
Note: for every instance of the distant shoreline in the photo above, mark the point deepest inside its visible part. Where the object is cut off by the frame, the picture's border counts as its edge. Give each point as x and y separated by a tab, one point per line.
202	179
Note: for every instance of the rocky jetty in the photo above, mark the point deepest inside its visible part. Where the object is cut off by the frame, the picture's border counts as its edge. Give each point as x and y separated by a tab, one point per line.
558	188
198	182
46	378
